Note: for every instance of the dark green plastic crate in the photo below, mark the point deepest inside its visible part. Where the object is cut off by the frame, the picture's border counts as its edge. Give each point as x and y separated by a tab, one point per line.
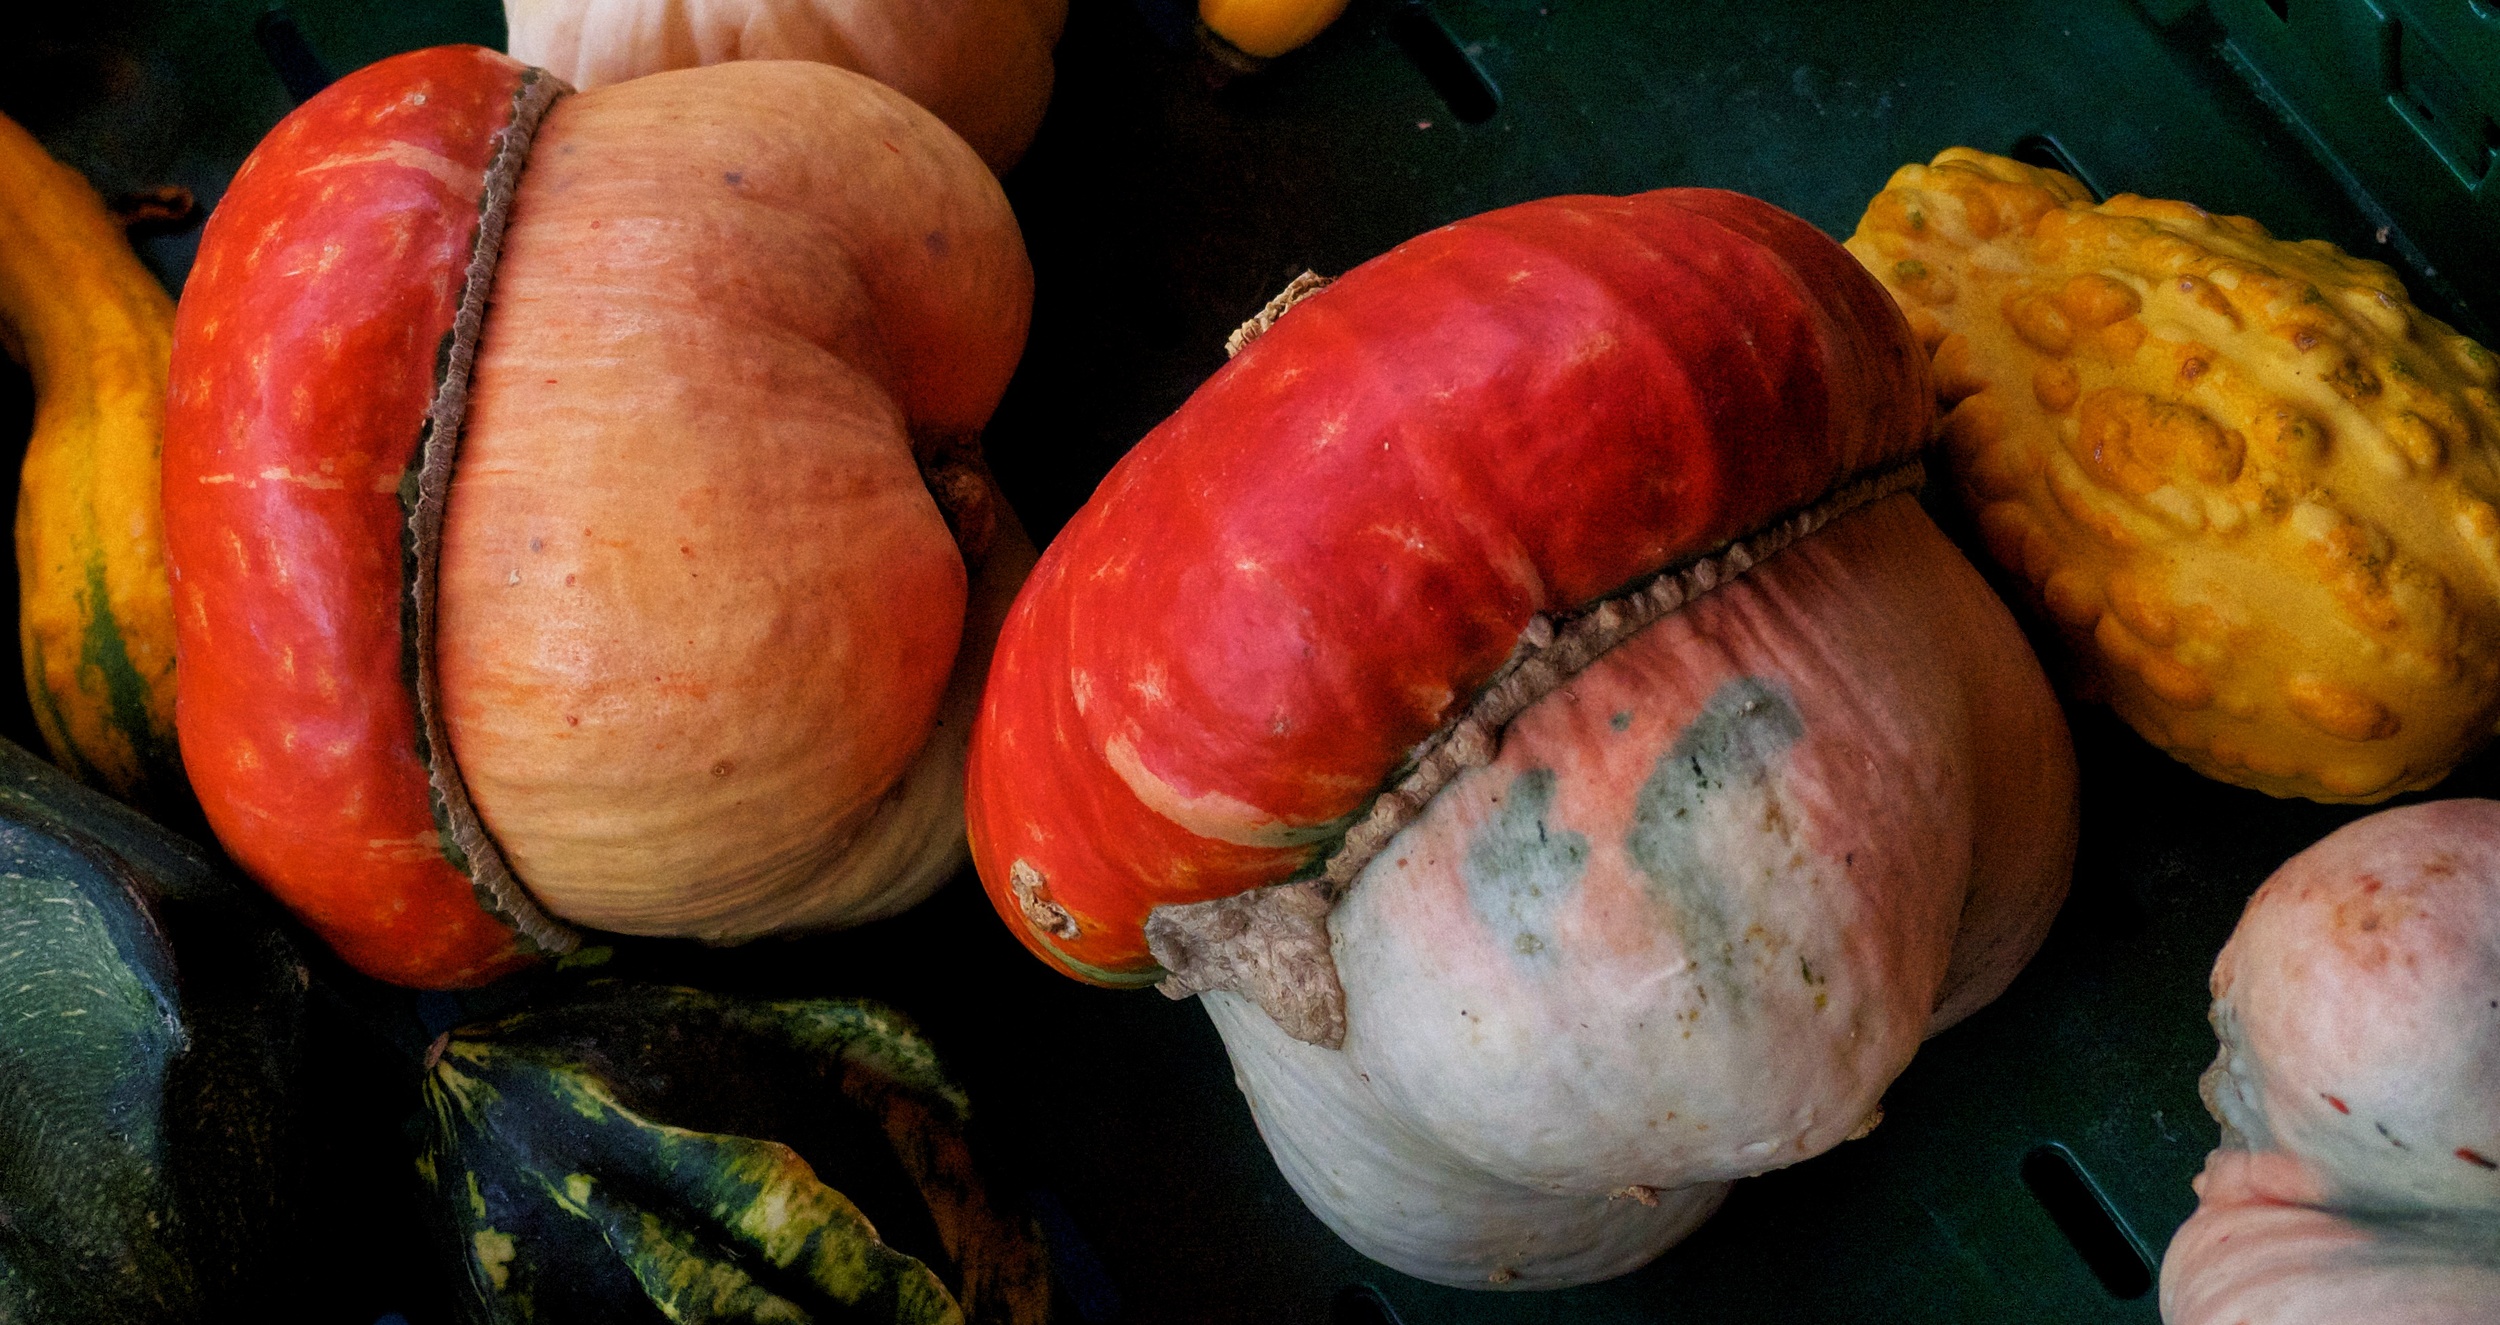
1160	213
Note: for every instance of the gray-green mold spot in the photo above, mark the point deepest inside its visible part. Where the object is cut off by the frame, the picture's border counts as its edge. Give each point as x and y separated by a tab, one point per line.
1726	759
1521	867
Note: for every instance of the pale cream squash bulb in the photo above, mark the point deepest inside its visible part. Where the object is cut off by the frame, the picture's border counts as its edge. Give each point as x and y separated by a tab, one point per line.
982	66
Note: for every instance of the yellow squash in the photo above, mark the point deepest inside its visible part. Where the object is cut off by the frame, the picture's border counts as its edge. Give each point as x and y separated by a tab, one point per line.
96	615
2249	480
1265	29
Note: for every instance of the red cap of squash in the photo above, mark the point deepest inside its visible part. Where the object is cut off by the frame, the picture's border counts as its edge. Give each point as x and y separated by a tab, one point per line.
1318	561
319	356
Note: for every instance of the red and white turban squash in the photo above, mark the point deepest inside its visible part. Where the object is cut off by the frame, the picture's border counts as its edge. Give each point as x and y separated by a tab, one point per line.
1432	690
982	66
549	503
2358	1087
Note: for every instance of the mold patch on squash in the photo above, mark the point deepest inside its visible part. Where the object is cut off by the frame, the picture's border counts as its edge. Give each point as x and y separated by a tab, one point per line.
1719	769
1522	866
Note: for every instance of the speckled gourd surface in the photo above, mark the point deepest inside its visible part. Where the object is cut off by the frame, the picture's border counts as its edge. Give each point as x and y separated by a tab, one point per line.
2251	483
2358	1087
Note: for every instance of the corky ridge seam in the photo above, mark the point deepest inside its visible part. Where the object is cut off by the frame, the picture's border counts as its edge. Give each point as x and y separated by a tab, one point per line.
1270	944
425	494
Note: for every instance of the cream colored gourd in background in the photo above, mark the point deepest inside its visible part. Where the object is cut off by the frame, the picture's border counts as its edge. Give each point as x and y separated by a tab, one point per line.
2358	1087
2249	480
982	66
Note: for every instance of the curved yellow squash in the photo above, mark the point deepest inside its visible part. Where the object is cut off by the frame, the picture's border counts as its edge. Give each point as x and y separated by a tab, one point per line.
96	613
2250	481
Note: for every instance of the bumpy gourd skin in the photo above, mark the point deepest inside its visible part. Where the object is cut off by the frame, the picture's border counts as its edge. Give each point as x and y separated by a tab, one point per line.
1687	926
2358	1086
2251	482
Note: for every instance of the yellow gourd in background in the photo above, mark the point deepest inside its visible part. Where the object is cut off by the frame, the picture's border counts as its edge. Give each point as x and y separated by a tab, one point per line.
1266	29
2252	484
94	330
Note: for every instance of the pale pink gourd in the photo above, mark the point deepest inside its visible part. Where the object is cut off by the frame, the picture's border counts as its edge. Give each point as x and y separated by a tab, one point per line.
1689	923
2358	1087
982	66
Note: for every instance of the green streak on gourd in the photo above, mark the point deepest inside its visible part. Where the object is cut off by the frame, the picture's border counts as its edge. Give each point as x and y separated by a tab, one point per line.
1724	763
1520	868
103	651
695	1207
675	1269
875	1037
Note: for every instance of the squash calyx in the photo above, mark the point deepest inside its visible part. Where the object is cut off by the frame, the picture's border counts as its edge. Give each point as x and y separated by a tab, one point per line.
1271	944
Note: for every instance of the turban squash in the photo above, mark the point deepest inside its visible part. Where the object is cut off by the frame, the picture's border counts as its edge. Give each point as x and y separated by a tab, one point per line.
2358	1087
2252	484
574	505
1432	691
982	66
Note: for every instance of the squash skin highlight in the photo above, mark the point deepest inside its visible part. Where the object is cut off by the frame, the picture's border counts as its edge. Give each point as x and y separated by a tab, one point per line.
2358	1086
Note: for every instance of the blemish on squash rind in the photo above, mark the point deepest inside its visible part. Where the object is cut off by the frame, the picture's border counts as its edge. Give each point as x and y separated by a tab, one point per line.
1729	755
1521	867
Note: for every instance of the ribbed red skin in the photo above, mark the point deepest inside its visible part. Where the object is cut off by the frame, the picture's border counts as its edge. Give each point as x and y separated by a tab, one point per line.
1334	543
305	353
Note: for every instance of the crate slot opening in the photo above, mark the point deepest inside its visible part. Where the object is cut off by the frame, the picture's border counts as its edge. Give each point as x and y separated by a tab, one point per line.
1361	1304
2441	106
2081	1212
292	57
2041	150
1454	75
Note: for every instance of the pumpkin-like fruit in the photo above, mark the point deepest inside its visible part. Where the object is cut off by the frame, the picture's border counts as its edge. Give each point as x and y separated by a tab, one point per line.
1537	717
2250	481
95	621
590	568
630	1152
2358	1087
151	1018
982	66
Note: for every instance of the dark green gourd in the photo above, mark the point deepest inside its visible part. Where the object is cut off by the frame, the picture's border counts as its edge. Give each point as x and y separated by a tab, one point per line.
638	1153
151	1014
